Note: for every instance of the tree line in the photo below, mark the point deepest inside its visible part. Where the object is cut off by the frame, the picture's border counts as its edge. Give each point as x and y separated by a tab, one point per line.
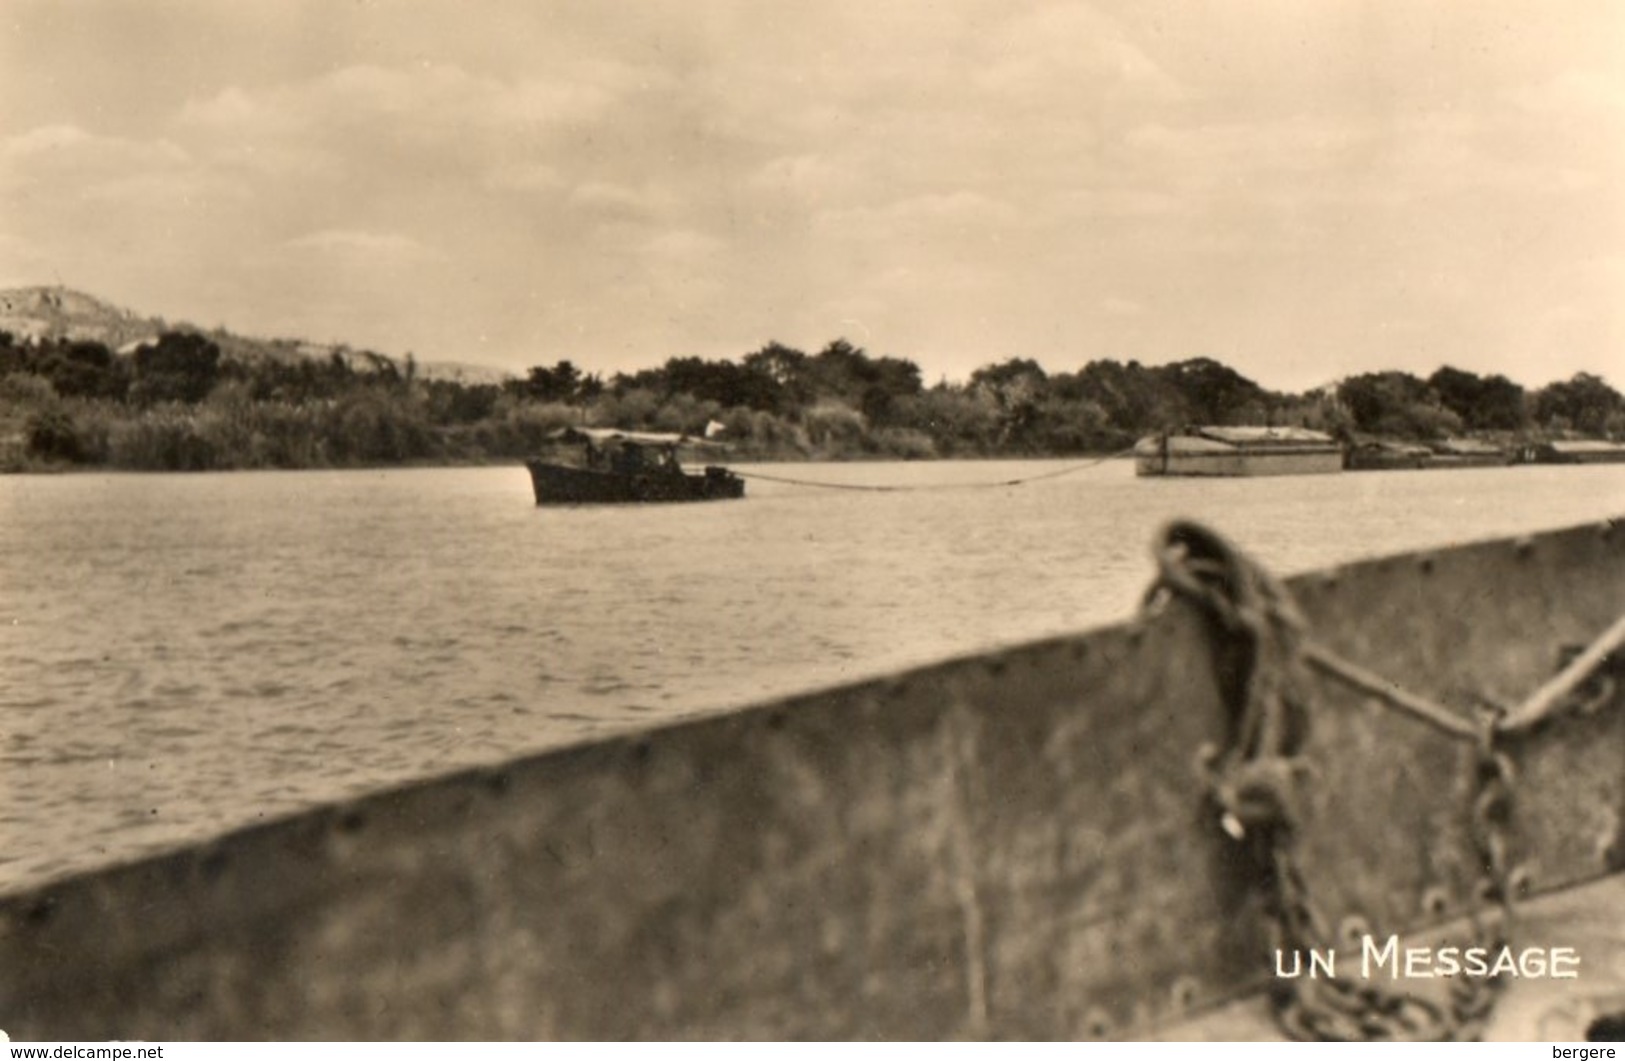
178	403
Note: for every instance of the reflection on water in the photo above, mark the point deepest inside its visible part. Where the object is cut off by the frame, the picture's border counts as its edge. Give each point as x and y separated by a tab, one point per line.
180	655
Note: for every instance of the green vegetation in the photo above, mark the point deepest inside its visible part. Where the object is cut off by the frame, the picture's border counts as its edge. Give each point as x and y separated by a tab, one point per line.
179	403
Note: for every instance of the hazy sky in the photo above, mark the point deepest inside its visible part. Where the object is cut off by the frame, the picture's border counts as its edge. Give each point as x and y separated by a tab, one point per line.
1301	188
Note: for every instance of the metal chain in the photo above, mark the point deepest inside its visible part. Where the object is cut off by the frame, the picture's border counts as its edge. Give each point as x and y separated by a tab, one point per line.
1256	783
1494	777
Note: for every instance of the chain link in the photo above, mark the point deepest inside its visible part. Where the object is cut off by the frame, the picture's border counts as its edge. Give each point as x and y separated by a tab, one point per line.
1258	782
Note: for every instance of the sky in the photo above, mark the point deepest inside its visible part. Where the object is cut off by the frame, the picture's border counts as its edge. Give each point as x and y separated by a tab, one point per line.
1303	189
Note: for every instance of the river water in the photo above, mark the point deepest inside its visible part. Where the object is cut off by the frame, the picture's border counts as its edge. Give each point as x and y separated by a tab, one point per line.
184	654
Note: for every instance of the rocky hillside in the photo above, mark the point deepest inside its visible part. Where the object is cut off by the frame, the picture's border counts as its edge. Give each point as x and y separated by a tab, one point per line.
32	314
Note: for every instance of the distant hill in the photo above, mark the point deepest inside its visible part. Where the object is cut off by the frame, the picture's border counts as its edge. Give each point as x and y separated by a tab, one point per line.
35	314
32	314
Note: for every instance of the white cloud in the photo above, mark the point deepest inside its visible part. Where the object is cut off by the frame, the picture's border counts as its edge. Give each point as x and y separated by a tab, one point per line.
431	107
57	152
968	179
524	177
684	248
99	199
50	138
807	178
934	211
1069	54
391	246
605	199
1573	92
1137	202
1117	306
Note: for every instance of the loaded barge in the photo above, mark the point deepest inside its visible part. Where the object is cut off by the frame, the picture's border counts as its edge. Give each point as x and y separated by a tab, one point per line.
1577	451
1238	451
1366	453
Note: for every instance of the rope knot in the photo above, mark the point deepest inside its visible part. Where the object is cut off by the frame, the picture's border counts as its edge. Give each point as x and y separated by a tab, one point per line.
1261	796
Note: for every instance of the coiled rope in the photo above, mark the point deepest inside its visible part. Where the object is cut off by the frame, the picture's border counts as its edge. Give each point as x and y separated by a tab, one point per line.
925	487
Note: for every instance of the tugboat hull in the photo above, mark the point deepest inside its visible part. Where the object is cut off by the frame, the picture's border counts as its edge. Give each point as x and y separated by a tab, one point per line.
558	484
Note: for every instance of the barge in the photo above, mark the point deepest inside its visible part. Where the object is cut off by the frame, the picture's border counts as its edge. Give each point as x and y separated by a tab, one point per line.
1238	451
1578	451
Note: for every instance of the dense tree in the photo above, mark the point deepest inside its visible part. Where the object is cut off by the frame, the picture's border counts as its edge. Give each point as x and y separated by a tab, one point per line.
296	380
188	400
83	370
956	419
450	402
179	367
561	383
1583	402
1397	404
788	367
53	436
1018	387
723	382
1135	398
1012	384
1212	393
1484	403
871	385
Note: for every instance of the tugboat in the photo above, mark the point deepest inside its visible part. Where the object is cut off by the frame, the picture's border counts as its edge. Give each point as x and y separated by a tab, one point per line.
606	466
